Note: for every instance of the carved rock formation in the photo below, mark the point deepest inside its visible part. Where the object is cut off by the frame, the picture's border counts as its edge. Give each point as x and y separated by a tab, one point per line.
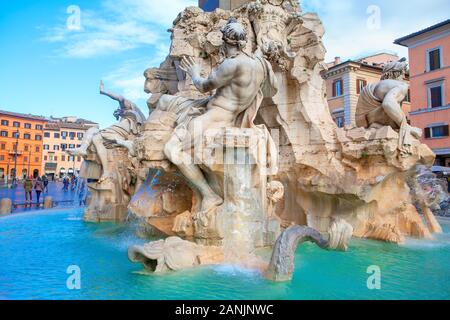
357	174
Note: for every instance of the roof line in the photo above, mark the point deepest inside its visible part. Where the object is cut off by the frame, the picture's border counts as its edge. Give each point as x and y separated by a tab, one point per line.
400	41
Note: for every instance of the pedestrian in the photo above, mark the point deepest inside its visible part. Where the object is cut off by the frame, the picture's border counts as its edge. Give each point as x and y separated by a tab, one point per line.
28	186
65	183
82	193
74	183
38	188
45	181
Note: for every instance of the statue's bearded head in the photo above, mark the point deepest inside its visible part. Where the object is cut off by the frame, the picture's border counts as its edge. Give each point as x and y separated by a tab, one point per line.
234	35
395	70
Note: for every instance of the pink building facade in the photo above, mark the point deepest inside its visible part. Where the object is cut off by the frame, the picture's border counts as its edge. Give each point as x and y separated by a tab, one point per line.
429	58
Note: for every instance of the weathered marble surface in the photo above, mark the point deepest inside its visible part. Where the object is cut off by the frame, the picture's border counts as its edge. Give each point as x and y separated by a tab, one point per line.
174	254
358	174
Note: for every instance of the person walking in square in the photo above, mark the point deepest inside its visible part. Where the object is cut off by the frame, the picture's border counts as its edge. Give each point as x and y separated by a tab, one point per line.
28	186
45	182
38	188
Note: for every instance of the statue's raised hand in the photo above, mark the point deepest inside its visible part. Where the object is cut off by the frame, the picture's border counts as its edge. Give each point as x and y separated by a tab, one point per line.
189	65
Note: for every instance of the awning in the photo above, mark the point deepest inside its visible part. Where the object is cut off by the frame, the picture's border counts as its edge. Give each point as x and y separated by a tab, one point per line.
442	152
50	166
70	170
62	170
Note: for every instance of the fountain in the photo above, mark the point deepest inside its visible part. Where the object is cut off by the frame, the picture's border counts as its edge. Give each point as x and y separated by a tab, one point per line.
250	150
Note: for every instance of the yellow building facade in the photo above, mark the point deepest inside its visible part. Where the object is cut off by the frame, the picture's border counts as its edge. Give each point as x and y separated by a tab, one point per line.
344	81
61	134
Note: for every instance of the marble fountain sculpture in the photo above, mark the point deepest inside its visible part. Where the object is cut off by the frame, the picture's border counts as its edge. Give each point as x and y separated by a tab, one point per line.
240	151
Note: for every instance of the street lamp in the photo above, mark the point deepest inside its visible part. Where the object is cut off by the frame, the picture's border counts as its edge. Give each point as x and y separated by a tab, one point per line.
14	184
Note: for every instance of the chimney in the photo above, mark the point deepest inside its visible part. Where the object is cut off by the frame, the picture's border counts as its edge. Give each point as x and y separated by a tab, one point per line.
337	60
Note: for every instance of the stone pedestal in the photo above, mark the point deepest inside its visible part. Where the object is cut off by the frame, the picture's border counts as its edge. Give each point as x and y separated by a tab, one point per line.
48	202
237	159
5	206
109	199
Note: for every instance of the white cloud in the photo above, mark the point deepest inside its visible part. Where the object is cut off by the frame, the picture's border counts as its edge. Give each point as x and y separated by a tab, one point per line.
129	80
121	25
348	36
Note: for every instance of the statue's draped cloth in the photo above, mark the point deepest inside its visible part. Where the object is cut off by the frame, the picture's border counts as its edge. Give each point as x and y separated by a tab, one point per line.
369	103
129	125
188	109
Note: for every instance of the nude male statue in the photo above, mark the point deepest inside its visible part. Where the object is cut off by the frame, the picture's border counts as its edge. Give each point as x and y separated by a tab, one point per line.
380	103
238	81
117	135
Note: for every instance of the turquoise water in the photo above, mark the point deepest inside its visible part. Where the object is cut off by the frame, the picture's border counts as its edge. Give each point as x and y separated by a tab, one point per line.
36	249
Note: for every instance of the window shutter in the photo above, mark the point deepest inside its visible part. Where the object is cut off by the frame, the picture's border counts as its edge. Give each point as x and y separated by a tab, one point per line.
341	87
427	133
334	89
446	133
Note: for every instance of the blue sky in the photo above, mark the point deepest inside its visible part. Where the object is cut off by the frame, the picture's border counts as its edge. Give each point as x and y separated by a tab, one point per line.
47	69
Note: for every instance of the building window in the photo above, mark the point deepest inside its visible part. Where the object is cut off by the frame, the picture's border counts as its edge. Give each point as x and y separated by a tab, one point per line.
4	133
5	123
56	147
26	148
434	59
25	159
80	135
2	158
16	124
27	136
360	84
46	134
16	135
64	135
339	118
38	149
38	137
408	96
63	147
71	146
27	125
39	127
56	158
36	159
437	131
46	147
338	88
435	95
56	135
45	158
79	159
3	146
63	158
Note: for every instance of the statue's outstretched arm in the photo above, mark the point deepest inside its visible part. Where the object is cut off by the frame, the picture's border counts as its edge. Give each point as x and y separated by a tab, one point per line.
219	78
113	96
